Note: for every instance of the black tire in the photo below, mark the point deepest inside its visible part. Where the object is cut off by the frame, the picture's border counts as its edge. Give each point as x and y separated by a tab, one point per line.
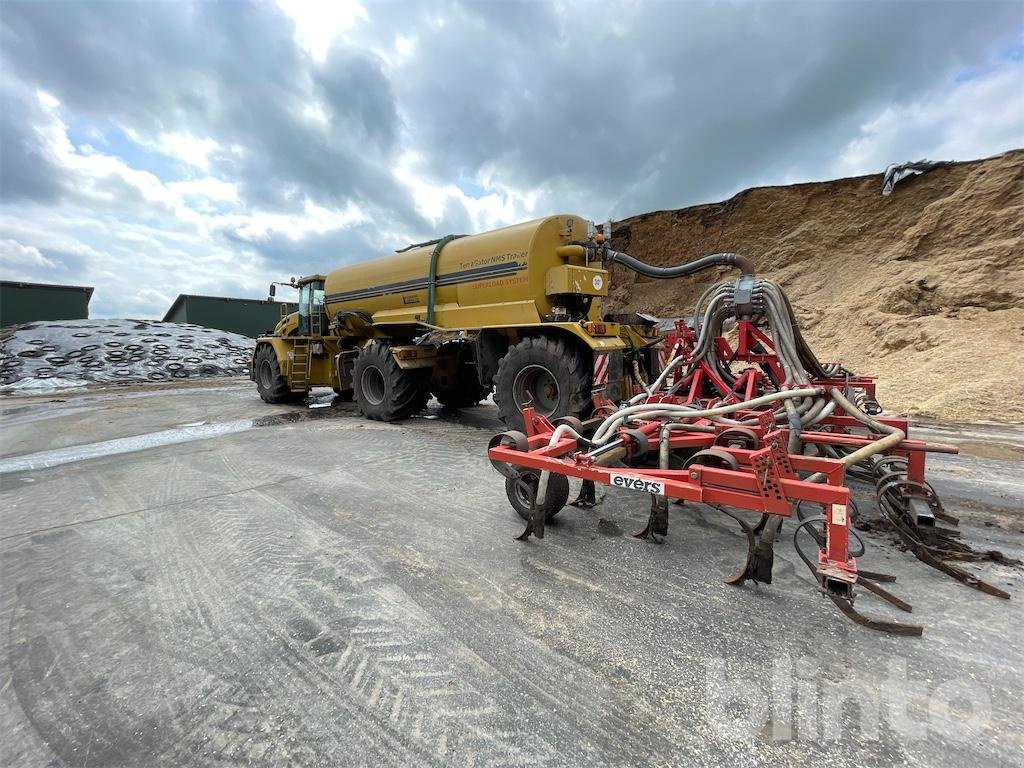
463	389
345	395
383	390
554	500
270	382
551	372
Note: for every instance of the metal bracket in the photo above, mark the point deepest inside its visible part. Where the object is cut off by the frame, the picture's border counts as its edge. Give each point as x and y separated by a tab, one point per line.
766	475
780	456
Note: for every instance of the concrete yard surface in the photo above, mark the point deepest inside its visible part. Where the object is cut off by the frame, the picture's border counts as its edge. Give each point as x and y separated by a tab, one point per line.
191	577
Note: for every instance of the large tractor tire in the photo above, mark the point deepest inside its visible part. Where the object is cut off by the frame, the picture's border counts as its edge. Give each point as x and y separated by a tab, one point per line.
463	389
548	373
383	390
271	383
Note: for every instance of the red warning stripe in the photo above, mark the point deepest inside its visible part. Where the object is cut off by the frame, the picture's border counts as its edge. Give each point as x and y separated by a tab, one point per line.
600	370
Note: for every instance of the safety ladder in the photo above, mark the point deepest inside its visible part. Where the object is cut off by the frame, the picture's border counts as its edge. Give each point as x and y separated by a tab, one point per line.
300	365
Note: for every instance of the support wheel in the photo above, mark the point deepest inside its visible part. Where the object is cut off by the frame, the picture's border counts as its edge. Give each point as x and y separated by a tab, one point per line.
547	373
521	489
461	388
270	382
383	390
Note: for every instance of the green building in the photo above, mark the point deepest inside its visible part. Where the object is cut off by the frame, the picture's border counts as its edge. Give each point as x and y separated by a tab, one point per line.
249	317
28	302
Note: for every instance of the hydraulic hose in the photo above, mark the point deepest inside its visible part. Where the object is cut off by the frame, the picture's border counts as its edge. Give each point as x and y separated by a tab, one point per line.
604	430
604	434
714	260
891	436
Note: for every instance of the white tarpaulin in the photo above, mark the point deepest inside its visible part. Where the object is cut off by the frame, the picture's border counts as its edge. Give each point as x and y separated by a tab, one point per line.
899	171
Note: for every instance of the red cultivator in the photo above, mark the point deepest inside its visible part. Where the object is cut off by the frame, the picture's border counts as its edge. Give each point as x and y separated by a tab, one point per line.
758	425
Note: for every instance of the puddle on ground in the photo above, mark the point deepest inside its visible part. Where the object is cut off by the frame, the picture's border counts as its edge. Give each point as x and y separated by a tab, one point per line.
28	414
1000	451
59	456
183	434
313	413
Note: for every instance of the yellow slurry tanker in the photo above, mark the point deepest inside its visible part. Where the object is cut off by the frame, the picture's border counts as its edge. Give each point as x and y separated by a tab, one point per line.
516	311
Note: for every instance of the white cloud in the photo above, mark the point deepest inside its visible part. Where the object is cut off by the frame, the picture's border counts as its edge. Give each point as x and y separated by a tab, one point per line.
315	113
47	100
405	46
207	187
314	220
498	206
180	145
317	23
972	119
14	254
186	147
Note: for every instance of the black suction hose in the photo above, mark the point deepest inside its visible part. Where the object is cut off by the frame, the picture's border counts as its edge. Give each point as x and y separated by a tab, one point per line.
714	260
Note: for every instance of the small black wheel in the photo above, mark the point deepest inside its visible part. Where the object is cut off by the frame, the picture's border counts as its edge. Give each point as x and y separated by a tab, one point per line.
738	437
521	489
384	390
270	382
548	373
713	458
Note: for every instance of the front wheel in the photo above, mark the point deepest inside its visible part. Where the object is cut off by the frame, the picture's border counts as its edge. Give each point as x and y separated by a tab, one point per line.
385	391
546	373
271	383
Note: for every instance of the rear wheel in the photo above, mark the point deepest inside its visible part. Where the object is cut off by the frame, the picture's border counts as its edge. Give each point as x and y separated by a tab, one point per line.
383	390
549	374
270	382
458	386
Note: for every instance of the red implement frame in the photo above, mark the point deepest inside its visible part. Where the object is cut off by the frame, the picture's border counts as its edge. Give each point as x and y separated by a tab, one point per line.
765	481
762	481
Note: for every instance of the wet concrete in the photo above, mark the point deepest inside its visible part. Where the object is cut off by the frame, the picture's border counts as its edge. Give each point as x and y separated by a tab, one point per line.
313	588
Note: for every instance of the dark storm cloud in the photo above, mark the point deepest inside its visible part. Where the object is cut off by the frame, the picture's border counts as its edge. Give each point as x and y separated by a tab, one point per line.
228	71
631	105
26	172
659	104
603	108
322	252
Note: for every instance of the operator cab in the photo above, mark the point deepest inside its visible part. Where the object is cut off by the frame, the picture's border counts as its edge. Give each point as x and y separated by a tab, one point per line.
312	310
312	315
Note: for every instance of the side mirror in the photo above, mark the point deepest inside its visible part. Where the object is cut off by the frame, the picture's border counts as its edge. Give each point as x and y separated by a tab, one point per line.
273	290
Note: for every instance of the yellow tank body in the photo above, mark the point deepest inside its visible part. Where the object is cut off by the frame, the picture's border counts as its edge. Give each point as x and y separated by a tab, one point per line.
515	311
509	277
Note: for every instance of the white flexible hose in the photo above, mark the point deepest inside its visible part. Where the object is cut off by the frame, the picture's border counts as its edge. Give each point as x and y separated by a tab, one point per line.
604	431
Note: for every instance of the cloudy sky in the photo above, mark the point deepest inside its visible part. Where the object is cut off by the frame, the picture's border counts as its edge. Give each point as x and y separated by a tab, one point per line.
158	148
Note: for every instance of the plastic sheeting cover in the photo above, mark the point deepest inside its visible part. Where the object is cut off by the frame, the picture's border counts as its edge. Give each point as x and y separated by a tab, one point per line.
77	352
899	171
